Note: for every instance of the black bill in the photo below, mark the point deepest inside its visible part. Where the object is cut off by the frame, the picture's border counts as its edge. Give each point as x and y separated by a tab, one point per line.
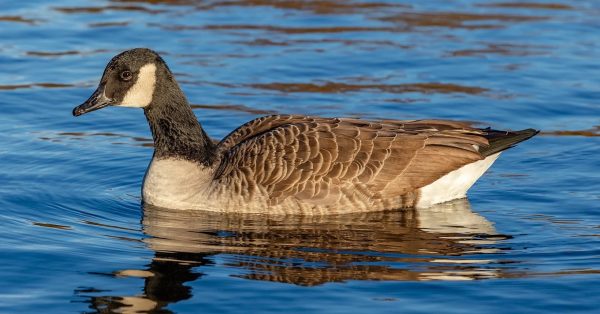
97	101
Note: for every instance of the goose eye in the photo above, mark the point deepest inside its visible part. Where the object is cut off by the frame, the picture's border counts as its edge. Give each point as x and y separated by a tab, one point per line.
126	75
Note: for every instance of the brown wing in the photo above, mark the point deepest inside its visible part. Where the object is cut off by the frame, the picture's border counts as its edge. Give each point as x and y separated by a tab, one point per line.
320	160
258	126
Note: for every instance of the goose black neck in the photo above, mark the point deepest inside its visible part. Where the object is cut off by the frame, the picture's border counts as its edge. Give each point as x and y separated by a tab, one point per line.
175	129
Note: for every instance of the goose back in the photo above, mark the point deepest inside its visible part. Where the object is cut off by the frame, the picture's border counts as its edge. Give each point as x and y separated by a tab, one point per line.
325	162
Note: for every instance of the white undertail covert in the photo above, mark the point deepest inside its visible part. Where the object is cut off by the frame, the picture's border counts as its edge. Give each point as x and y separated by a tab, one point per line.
455	184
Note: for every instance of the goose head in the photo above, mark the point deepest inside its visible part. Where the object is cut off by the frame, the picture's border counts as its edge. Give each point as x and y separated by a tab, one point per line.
130	79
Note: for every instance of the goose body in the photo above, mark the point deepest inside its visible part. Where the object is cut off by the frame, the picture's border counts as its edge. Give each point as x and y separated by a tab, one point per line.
294	163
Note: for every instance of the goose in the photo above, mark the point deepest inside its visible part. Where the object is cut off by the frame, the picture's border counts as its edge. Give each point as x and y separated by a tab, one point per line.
293	164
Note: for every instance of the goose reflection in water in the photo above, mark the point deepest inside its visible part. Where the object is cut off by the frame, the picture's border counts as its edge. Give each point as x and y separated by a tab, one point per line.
445	242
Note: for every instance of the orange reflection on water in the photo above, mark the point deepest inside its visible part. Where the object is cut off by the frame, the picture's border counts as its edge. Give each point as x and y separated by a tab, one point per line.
459	19
336	87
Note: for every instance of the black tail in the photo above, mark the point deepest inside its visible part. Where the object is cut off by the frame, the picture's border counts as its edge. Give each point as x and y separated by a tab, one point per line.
501	140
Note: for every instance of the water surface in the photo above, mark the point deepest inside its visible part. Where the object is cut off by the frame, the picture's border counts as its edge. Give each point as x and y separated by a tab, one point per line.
75	237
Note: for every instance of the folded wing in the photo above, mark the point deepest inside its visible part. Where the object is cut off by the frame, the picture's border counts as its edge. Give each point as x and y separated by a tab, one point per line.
321	160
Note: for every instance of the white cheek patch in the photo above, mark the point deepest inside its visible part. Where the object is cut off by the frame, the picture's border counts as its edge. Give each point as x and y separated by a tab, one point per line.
140	94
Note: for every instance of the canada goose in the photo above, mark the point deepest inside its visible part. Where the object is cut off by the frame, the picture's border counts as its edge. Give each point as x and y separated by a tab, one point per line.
293	163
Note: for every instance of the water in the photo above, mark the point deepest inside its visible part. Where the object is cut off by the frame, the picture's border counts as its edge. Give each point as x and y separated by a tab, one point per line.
75	238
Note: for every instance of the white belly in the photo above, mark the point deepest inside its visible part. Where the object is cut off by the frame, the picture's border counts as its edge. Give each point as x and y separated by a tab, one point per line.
175	183
454	184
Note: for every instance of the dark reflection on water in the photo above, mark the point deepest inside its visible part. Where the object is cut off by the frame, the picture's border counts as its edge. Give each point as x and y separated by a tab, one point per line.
77	10
240	108
40	85
164	283
593	132
502	49
446	242
332	87
129	140
18	19
317	7
363	44
277	29
52	54
529	5
460	20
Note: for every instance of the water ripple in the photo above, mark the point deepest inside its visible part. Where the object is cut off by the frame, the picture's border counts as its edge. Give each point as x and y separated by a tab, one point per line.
76	239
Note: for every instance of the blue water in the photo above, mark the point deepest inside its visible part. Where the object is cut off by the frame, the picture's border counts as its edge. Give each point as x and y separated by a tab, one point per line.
74	237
